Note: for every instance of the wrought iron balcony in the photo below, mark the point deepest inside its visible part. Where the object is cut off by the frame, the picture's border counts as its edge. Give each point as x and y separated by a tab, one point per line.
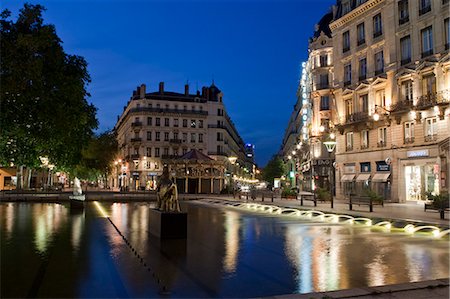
134	157
381	143
361	42
356	117
347	83
426	101
348	147
427	53
362	77
409	140
378	72
403	20
429	138
322	86
346	49
405	61
136	124
169	156
175	141
402	106
138	139
377	34
424	10
364	146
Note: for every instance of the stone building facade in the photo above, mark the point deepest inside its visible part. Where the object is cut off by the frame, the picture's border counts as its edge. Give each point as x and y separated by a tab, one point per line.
160	126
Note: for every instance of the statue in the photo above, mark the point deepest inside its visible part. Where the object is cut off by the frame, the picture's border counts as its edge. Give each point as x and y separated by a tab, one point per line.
167	193
77	187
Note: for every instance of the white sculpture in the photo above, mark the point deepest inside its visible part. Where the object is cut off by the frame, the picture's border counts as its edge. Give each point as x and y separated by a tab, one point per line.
77	187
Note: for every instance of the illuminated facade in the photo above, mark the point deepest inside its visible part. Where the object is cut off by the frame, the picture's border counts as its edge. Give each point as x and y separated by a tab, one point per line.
159	126
391	87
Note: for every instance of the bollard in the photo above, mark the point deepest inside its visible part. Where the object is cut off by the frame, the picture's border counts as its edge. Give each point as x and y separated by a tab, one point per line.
262	199
272	197
246	196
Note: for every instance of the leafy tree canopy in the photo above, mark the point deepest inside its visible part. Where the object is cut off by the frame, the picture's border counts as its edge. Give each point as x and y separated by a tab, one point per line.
43	106
275	168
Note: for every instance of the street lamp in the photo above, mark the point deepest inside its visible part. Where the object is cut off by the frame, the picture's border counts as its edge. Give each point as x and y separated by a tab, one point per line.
330	145
376	116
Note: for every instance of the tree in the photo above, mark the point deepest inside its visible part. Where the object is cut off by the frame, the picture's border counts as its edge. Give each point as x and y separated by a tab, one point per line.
275	168
98	157
43	106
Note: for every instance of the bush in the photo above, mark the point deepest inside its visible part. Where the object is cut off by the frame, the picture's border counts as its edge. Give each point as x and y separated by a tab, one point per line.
373	195
439	200
288	192
323	194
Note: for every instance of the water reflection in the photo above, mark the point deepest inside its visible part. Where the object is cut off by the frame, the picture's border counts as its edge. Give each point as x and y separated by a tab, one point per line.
228	253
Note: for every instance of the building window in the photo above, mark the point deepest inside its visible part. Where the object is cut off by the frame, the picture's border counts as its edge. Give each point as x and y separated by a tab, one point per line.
158	122
447	33
149	135
361	34
219	136
324	103
166	151
346	7
407	91
379	63
405	47
377	26
349	141
193	137
166	122
323	81
149	121
424	6
364	103
362	69
348	107
184	123
157	136
200	123
347	74
364	139
323	60
175	122
382	137
156	153
184	151
429	85
409	132
219	149
365	166
184	137
176	107
219	112
427	41
158	106
200	137
431	129
380	98
345	41
193	123
403	12
175	135
148	165
166	136
149	151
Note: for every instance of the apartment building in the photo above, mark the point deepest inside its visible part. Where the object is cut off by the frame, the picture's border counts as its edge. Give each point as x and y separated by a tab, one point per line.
391	89
160	126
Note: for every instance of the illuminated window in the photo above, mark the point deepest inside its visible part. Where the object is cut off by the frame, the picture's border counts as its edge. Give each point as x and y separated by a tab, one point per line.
382	137
349	141
409	132
364	139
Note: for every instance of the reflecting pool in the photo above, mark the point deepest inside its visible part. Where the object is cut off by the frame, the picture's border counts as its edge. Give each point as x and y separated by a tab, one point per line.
49	250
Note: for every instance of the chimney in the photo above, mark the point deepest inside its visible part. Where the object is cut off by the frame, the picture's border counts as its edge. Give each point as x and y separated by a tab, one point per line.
142	91
161	87
186	89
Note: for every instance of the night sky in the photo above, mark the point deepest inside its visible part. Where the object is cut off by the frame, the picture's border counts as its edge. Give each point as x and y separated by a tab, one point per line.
252	49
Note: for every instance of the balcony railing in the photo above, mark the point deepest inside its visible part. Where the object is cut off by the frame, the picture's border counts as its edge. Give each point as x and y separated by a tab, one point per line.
322	86
427	53
405	61
404	105
362	77
175	141
378	72
347	83
348	147
217	154
381	143
447	46
424	10
409	140
361	42
356	117
429	138
134	157
377	34
136	124
403	20
138	139
426	101
364	146
170	156
346	49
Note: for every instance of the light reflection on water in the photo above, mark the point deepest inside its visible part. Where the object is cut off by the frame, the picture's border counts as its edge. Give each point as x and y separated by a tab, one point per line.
228	253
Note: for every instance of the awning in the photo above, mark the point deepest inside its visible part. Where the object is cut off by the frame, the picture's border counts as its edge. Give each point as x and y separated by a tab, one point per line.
380	177
363	177
347	177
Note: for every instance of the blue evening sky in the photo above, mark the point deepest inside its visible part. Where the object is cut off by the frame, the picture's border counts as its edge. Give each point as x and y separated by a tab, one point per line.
252	49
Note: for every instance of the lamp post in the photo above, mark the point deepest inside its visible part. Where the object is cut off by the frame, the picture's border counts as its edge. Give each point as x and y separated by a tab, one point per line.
331	145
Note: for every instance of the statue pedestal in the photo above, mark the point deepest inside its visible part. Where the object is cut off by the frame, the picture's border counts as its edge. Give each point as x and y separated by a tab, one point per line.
168	225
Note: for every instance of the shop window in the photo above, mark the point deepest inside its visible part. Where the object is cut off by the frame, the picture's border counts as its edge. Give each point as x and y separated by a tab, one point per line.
365	166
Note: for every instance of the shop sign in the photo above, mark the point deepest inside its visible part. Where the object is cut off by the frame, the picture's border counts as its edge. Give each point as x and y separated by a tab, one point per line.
382	166
350	168
152	174
419	153
321	162
135	173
